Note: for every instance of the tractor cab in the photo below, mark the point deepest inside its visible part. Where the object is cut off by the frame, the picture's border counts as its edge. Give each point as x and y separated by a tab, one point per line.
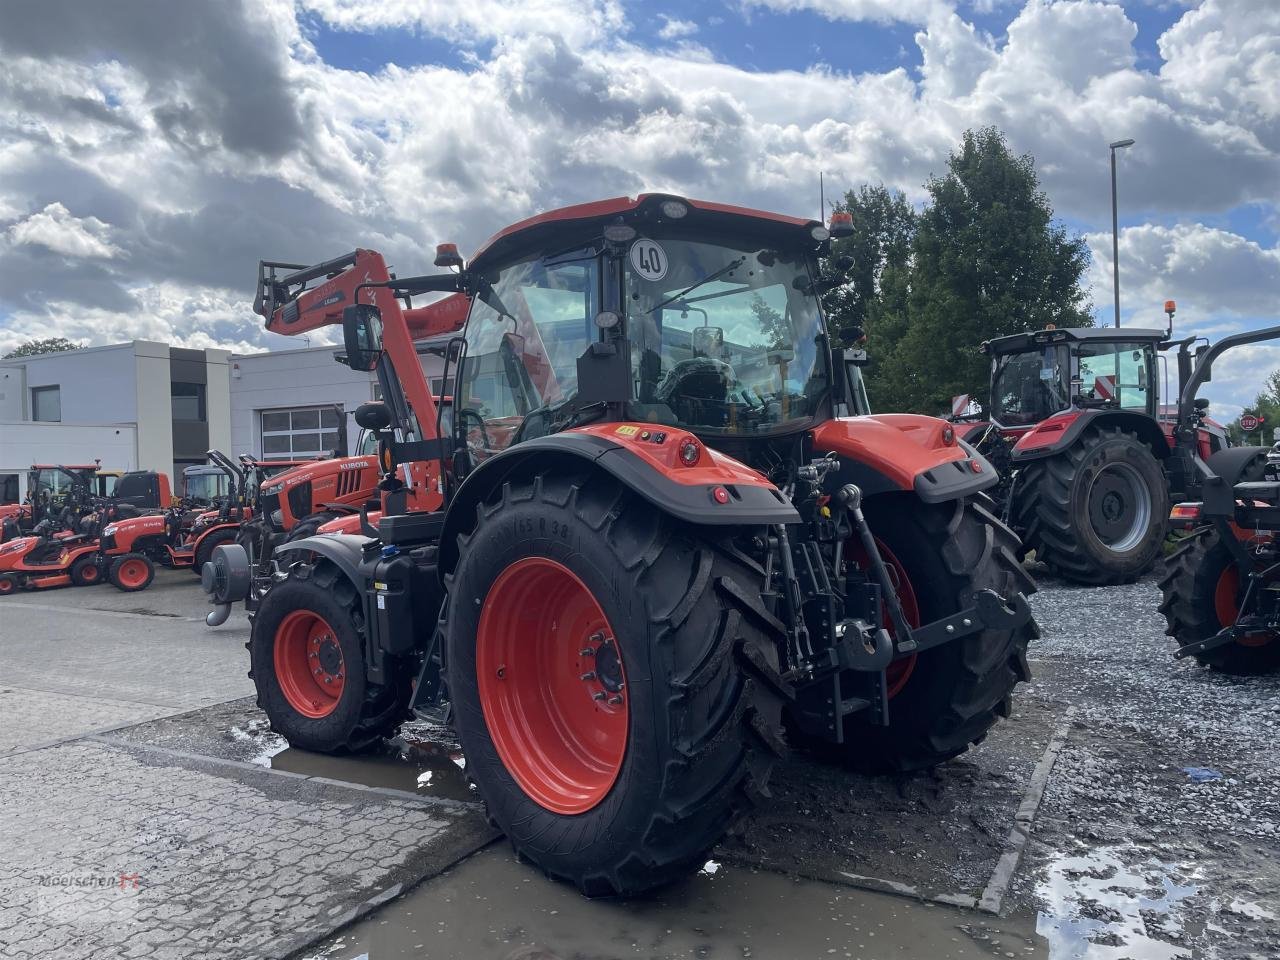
1039	374
709	323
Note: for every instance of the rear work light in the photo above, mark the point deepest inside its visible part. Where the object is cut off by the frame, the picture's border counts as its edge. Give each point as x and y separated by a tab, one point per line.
1185	512
674	209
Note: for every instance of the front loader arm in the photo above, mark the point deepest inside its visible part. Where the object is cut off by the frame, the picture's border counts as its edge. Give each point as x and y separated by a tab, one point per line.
291	305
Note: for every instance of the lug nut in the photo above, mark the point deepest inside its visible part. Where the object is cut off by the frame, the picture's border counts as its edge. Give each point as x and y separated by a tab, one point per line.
587	652
616	699
587	676
598	695
502	672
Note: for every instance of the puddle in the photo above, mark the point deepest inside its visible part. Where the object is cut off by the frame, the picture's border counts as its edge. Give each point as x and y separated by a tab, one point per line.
1102	905
425	768
490	907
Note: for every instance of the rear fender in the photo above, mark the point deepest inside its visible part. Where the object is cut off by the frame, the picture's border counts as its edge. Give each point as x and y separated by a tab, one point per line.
902	451
345	550
643	457
1057	433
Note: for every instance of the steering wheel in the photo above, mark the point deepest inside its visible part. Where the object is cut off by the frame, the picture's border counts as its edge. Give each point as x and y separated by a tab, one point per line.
673	382
463	414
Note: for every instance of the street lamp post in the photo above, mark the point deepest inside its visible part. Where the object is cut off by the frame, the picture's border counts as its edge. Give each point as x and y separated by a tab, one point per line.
1115	226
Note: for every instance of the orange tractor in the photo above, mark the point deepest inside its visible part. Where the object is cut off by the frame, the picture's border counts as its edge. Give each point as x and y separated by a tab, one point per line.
665	527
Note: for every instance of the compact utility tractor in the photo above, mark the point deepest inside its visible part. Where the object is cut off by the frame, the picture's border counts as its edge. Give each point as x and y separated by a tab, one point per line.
131	548
665	531
59	552
1220	594
1088	456
52	488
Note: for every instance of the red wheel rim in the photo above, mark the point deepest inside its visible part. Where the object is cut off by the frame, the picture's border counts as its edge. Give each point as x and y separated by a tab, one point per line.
899	671
7	585
1226	605
309	665
552	686
132	573
90	573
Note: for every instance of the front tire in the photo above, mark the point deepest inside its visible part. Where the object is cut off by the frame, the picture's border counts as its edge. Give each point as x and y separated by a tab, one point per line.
1097	512
307	657
1200	594
132	572
947	699
638	715
213	540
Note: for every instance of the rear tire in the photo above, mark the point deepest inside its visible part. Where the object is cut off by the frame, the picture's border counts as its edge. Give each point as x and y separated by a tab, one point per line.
85	571
9	584
1096	513
1200	594
954	694
700	690
362	714
132	572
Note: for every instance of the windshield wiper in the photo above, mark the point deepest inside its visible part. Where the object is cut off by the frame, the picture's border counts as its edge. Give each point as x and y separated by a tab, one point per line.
727	268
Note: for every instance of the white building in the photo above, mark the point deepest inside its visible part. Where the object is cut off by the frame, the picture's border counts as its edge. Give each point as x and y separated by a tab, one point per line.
132	406
145	405
283	401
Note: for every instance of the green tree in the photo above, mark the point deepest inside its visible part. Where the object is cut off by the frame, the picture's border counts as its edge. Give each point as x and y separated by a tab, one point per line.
883	225
50	345
874	298
987	259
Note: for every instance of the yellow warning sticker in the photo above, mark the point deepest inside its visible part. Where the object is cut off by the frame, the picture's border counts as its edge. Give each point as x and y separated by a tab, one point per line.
627	430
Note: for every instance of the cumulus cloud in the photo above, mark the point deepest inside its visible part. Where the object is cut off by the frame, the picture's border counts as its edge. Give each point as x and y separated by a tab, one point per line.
176	162
56	229
675	29
1211	273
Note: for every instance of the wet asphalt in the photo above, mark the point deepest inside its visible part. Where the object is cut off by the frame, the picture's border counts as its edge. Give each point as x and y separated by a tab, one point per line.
1147	792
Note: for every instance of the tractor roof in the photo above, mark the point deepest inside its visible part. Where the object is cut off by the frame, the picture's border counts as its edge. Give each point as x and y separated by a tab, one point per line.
1032	339
560	226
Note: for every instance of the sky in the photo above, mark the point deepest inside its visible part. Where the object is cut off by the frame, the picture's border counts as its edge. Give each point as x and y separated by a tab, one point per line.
152	151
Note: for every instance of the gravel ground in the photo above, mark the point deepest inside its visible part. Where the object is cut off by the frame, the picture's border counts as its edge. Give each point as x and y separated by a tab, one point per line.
1131	856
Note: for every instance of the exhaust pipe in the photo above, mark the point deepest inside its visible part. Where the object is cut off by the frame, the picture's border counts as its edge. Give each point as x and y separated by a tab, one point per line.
218	615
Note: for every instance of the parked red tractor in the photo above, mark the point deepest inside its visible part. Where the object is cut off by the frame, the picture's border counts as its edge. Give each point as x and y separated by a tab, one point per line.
1221	587
52	488
661	534
131	548
1087	454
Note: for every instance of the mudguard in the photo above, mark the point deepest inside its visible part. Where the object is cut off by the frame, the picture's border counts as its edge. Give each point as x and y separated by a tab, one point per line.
1057	433
345	550
645	458
883	453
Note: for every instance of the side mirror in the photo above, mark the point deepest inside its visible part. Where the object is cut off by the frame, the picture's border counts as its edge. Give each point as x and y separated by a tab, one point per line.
362	335
708	342
1200	352
373	415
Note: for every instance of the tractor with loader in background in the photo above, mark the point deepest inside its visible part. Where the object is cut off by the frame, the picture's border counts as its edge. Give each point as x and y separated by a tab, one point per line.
666	529
1220	593
1089	459
295	504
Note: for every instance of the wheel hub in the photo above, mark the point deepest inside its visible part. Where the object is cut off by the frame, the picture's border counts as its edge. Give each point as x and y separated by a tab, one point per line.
327	657
1119	507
